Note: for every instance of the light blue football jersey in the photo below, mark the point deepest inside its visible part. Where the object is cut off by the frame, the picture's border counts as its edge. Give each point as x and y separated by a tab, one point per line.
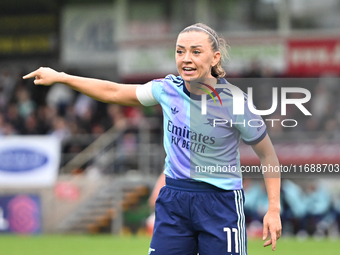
204	147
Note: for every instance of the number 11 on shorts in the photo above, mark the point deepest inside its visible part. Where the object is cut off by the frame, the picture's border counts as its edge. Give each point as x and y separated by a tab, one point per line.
234	230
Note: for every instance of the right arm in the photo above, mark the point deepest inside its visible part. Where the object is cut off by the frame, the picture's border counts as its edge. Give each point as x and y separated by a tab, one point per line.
101	90
154	195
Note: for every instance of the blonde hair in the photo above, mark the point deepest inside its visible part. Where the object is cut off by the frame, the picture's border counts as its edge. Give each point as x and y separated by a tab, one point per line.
217	43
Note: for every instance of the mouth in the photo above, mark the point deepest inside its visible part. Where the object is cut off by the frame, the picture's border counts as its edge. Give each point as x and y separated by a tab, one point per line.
188	70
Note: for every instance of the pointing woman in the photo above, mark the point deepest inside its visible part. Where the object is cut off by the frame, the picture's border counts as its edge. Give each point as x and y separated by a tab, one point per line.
198	210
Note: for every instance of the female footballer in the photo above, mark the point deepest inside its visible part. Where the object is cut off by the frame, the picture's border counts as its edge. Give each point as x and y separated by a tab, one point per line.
197	211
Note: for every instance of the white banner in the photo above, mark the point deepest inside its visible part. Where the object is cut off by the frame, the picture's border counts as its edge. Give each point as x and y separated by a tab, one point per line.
88	35
154	60
29	161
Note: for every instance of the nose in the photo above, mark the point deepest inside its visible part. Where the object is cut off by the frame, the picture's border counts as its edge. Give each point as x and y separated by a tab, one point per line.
187	57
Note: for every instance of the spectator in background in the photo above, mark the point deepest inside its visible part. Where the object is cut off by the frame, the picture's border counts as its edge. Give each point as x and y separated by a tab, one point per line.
31	125
256	203
97	129
44	117
7	85
114	115
295	206
83	105
8	129
85	122
72	120
2	123
3	100
25	105
13	118
254	69
127	153
134	116
318	204
332	130
85	112
60	97
60	129
336	210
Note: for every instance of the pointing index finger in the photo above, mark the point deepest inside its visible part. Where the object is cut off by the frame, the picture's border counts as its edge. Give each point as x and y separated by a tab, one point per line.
273	238
30	75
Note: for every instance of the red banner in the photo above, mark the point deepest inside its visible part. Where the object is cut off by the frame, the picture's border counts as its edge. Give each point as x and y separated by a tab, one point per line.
306	57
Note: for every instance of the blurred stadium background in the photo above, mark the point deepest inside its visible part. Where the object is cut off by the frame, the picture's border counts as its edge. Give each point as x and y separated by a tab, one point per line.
71	165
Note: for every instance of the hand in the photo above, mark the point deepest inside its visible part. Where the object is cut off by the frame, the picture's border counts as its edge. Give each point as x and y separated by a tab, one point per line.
271	223
44	76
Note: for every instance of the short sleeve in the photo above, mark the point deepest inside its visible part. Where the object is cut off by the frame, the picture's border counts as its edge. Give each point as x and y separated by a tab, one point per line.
252	126
145	95
158	88
150	93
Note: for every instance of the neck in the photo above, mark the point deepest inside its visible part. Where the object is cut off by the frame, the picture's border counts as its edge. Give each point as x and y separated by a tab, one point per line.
198	86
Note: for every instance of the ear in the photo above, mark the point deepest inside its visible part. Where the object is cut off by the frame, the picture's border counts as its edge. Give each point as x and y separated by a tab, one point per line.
216	58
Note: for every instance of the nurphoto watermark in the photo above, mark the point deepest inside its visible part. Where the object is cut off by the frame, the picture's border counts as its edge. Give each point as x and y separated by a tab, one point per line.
241	103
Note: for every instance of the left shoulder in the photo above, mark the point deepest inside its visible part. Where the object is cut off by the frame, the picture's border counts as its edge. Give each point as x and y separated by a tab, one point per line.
176	80
232	91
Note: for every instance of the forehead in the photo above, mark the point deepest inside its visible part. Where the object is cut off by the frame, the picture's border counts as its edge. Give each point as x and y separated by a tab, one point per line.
193	38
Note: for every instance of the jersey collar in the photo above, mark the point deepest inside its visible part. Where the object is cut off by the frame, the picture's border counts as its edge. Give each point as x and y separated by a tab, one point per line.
198	97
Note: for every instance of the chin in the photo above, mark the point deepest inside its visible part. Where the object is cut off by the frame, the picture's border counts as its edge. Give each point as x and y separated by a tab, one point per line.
188	78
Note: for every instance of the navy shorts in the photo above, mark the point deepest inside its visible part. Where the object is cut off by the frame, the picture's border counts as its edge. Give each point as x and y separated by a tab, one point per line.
196	217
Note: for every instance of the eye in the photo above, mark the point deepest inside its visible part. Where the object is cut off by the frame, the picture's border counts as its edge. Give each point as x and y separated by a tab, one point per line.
196	52
179	51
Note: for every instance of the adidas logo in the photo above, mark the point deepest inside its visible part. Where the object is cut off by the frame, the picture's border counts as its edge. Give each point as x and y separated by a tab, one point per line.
174	110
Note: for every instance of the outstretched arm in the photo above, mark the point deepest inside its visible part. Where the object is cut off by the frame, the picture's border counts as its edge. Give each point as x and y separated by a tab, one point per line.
271	220
101	90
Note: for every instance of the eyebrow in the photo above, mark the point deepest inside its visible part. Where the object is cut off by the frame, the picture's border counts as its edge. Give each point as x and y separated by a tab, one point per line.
193	46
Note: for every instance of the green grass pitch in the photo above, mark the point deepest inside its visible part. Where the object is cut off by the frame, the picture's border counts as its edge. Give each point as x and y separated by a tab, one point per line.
112	245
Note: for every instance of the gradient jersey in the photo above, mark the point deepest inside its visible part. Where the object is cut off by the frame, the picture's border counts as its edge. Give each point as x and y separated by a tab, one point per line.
204	147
